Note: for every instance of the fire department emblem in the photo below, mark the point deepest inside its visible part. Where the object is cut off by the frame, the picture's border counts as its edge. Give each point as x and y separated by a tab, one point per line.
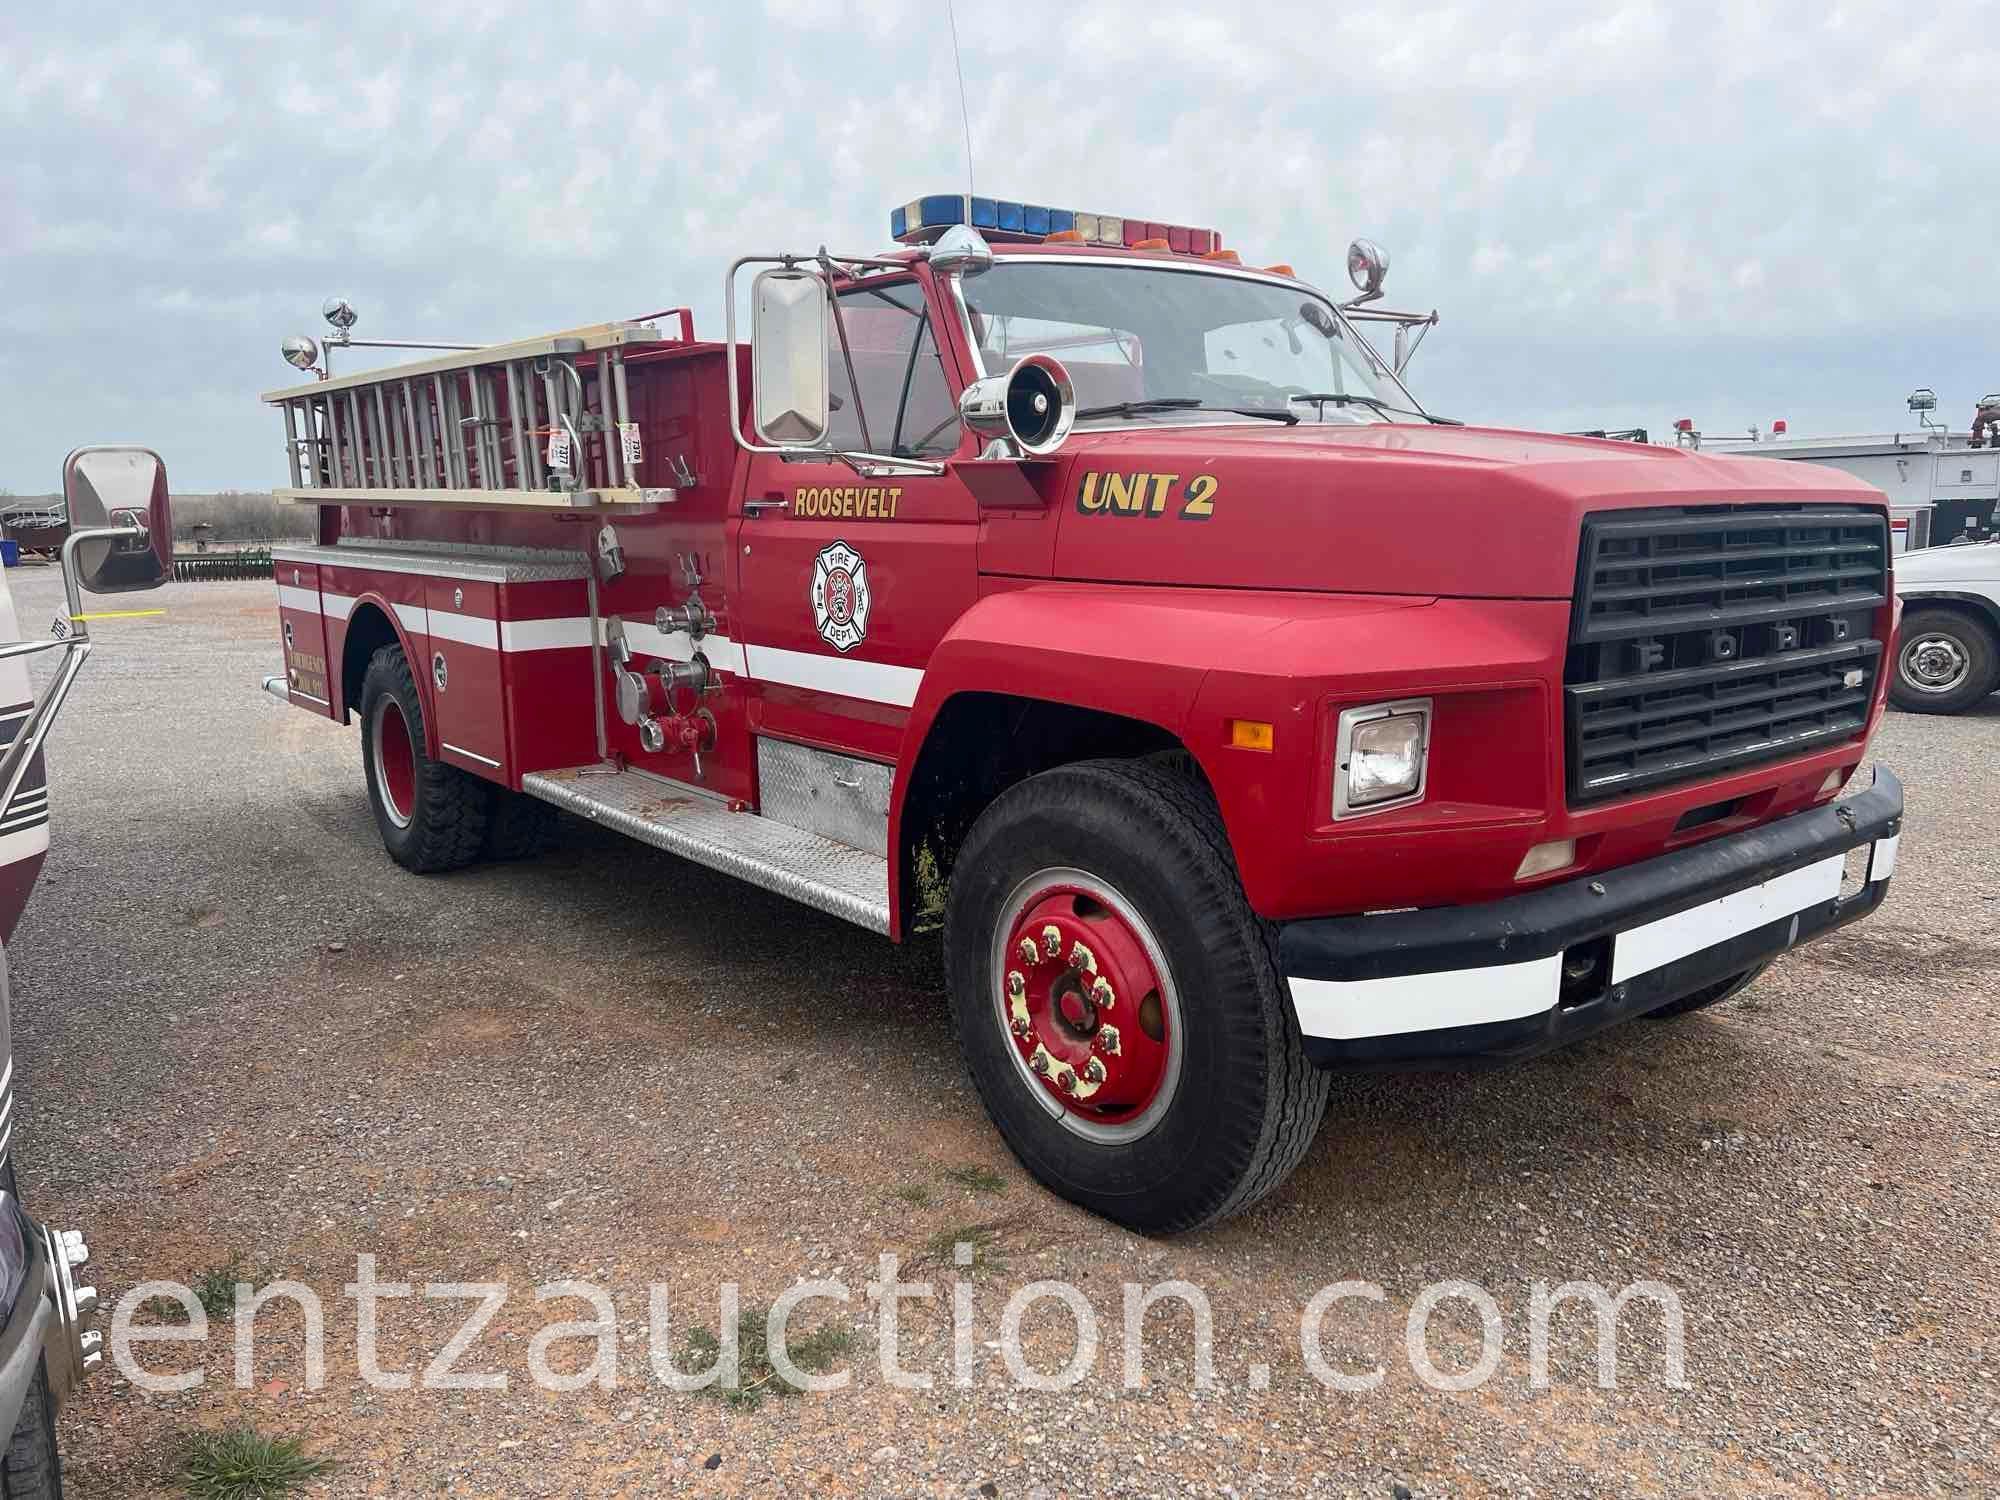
840	596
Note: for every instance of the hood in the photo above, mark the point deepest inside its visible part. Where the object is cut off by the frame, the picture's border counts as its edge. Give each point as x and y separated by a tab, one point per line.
1467	512
1972	562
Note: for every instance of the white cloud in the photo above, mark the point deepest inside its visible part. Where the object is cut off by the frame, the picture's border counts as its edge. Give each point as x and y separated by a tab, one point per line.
1624	211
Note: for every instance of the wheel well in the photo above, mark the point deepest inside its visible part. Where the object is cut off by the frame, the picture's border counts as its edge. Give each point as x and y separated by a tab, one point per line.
979	745
1977	610
368	631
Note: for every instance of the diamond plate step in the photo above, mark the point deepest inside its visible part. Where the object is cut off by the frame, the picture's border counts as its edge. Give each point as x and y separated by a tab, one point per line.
696	825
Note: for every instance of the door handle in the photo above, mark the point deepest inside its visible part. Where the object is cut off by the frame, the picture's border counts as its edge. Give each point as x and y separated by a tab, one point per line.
758	506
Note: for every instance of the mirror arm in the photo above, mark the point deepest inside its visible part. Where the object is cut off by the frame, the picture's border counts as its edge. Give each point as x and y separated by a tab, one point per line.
846	354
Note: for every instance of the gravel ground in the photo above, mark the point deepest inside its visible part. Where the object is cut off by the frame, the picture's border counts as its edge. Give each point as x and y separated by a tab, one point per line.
246	1036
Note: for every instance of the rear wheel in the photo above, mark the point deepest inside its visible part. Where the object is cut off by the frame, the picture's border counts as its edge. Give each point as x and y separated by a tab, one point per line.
1119	1004
432	816
1946	661
1707	995
519	826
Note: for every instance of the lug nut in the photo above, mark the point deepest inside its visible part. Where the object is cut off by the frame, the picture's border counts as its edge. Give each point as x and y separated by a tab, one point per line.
1081	957
1100	993
1107	1040
1051	940
1030	954
1094	1071
1017	984
1066	1081
75	1251
1020	1024
1039	1063
86	1301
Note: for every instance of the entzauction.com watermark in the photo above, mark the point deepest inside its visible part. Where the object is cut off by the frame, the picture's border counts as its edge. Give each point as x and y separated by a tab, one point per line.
1074	1339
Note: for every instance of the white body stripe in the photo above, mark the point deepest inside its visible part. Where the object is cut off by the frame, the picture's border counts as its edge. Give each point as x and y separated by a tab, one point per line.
24	843
467	630
874	681
544	635
1348	1009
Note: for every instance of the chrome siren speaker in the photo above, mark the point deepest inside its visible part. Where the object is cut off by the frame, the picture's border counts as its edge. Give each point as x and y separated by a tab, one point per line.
1030	409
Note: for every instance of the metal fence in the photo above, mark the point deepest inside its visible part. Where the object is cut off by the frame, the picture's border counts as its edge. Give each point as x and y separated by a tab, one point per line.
213	567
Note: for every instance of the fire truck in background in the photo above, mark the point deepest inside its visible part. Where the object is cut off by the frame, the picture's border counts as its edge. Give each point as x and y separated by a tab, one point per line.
119	538
1943	489
1065	580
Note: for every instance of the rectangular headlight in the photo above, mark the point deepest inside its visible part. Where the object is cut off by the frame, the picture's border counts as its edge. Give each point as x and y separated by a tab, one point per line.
1380	754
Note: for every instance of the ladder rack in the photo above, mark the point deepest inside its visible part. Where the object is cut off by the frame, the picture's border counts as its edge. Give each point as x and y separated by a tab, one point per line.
542	423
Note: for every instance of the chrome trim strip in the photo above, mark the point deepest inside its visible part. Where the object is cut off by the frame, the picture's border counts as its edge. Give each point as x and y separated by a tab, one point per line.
468	754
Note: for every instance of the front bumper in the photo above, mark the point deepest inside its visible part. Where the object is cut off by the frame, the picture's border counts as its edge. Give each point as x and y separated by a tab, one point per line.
1487	984
49	1319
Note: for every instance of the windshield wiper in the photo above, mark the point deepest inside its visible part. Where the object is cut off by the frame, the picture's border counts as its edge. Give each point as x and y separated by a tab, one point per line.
1188	403
1322	399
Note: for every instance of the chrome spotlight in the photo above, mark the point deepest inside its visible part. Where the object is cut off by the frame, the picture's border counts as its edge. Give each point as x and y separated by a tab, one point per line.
1367	266
300	351
340	313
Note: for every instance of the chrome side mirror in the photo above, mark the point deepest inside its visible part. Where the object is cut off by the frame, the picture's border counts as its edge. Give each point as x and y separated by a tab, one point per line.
788	352
119	489
1026	413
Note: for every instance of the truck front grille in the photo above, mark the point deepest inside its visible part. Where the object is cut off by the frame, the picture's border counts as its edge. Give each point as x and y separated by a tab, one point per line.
1709	638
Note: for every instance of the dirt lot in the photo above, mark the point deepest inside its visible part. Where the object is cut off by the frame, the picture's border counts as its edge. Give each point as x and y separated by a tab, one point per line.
247	1037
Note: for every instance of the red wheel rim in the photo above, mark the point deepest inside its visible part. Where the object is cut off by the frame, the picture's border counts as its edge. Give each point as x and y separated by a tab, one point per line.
1087	1004
395	762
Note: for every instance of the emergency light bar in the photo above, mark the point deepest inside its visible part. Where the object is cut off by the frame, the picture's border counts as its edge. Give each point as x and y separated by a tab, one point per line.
921	221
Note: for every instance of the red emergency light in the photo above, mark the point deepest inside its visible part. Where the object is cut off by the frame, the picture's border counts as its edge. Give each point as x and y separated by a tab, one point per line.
1685	424
924	219
1780	427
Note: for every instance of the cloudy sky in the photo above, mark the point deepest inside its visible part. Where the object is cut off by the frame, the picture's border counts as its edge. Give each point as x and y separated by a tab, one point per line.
1626	213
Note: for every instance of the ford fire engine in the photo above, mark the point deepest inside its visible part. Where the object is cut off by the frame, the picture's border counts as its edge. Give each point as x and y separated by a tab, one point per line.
1065	579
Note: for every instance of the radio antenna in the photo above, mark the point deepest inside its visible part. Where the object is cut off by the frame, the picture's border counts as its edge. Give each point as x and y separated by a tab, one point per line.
951	14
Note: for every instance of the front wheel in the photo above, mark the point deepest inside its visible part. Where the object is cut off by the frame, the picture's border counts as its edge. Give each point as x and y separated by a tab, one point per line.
1119	1004
31	1468
1946	661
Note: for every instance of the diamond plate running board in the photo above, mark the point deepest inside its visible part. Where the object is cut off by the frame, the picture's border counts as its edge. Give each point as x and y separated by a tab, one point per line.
696	825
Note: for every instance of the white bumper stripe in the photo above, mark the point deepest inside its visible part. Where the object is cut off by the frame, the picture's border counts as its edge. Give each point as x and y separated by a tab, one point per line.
1347	1009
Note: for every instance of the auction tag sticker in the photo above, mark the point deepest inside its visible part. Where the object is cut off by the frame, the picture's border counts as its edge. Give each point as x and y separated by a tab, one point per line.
628	437
559	450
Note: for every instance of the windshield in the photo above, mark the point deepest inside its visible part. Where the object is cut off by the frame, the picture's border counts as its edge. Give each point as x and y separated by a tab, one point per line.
1190	341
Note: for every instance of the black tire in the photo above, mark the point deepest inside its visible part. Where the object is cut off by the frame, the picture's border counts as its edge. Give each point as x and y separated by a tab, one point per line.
1707	995
1968	657
444	823
519	826
1246	1103
31	1468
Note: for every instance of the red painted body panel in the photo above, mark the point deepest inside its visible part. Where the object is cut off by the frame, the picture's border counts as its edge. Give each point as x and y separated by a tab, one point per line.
303	630
1259	572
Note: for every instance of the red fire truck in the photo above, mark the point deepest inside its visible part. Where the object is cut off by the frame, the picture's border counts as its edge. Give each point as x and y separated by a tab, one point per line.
1065	580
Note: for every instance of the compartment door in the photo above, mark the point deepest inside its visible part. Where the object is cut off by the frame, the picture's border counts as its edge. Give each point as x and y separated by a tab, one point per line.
464	675
302	623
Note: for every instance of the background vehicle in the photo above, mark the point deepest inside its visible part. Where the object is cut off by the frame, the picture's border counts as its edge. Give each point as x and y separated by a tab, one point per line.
120	539
1942	486
1059	578
1948	645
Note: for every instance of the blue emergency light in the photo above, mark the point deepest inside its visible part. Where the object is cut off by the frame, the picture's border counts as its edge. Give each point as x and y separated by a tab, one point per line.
923	220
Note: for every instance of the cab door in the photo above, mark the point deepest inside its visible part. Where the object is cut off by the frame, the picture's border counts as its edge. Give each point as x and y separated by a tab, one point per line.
845	583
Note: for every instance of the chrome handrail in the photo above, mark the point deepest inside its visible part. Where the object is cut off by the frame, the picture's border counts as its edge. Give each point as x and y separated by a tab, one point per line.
76	647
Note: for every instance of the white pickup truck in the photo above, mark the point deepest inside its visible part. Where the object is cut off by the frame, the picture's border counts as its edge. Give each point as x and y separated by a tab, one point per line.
1948	648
